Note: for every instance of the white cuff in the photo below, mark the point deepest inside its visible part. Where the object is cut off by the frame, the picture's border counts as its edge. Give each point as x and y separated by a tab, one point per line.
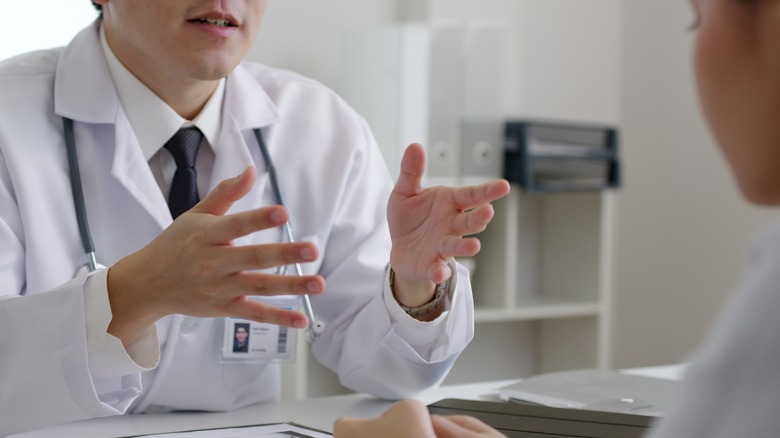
107	356
419	333
97	309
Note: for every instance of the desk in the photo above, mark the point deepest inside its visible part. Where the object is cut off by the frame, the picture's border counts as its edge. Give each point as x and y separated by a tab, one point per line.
319	413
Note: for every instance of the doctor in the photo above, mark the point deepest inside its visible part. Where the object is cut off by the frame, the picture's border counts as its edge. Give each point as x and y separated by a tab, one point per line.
145	334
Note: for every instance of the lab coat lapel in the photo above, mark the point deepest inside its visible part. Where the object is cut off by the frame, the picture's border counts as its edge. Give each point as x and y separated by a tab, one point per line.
83	89
88	95
246	106
231	157
132	171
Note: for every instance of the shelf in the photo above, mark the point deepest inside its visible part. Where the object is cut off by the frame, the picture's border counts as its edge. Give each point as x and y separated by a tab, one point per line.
539	309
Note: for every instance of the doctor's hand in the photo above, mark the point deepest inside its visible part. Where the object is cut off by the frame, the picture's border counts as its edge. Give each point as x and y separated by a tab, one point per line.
193	268
427	227
410	419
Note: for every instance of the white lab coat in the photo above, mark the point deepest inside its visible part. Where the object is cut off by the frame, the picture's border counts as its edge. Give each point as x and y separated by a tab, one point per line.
335	185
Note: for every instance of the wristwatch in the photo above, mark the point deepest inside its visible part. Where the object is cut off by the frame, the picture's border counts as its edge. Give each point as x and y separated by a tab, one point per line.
433	306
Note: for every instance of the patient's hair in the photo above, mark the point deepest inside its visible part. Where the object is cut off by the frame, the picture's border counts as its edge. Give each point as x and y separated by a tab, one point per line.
97	6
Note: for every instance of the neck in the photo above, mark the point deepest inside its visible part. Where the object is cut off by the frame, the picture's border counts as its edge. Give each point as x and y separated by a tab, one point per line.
187	100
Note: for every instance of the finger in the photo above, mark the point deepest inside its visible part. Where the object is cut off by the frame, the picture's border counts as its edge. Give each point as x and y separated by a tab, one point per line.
255	283
346	420
253	257
455	246
439	272
472	196
455	425
253	310
348	427
412	170
472	221
241	224
219	200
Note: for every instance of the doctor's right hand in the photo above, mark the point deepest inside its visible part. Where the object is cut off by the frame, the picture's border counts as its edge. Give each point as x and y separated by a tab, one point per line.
193	268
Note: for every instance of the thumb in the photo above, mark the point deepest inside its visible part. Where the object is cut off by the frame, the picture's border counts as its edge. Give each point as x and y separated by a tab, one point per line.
349	426
219	200
412	170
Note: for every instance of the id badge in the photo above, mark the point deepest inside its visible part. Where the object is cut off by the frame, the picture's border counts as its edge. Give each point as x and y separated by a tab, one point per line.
246	341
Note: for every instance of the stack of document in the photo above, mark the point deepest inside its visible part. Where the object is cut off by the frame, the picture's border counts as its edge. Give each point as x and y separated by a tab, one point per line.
596	390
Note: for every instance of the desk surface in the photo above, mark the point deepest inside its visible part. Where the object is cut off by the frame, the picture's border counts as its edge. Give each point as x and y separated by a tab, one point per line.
319	413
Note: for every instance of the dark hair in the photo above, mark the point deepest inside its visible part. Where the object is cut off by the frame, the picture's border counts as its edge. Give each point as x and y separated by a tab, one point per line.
97	6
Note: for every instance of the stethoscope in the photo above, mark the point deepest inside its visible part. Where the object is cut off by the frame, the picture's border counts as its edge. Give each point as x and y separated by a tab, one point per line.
316	327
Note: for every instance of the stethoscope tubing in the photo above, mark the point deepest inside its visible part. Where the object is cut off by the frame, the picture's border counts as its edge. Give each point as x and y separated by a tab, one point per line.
78	196
315	327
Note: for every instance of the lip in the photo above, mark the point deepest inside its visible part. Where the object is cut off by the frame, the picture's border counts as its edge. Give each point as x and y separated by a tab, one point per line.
200	22
218	15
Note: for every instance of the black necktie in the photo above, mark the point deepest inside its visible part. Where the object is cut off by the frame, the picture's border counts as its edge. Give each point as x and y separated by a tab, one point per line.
184	188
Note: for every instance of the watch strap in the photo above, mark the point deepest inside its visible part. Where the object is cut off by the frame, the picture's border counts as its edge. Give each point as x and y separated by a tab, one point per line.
435	305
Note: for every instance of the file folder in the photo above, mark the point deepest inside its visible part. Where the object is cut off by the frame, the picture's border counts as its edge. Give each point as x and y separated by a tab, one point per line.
516	420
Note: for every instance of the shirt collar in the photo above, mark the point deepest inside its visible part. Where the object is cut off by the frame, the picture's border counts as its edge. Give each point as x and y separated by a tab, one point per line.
153	120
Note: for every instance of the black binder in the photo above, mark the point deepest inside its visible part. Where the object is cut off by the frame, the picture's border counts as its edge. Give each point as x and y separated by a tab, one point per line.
517	420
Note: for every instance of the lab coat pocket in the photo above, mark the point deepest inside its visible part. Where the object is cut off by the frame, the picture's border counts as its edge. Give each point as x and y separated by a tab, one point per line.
251	382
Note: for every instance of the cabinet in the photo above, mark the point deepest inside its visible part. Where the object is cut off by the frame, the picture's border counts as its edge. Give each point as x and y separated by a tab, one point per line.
541	287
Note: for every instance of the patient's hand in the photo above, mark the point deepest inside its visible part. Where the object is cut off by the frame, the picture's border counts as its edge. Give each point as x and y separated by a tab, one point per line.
410	418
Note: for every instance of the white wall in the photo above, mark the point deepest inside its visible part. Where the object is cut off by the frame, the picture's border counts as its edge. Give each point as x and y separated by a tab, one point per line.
682	228
61	21
308	35
569	63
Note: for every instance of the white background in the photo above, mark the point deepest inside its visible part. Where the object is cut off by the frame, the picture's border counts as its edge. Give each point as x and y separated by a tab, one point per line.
56	21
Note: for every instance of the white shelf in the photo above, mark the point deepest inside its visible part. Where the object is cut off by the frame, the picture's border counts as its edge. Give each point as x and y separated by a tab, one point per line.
539	310
542	293
541	287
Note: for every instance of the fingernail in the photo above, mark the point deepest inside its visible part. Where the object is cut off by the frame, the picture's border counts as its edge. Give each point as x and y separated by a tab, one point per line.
277	216
299	323
307	254
313	286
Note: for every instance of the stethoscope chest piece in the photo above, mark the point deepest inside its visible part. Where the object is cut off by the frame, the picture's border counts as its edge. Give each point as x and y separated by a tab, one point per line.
86	269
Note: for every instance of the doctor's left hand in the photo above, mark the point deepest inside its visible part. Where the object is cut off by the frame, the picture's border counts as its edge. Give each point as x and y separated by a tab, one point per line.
193	268
427	226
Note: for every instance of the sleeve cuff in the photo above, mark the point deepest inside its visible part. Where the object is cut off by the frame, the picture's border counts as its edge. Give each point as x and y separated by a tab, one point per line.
112	360
107	356
419	333
96	308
